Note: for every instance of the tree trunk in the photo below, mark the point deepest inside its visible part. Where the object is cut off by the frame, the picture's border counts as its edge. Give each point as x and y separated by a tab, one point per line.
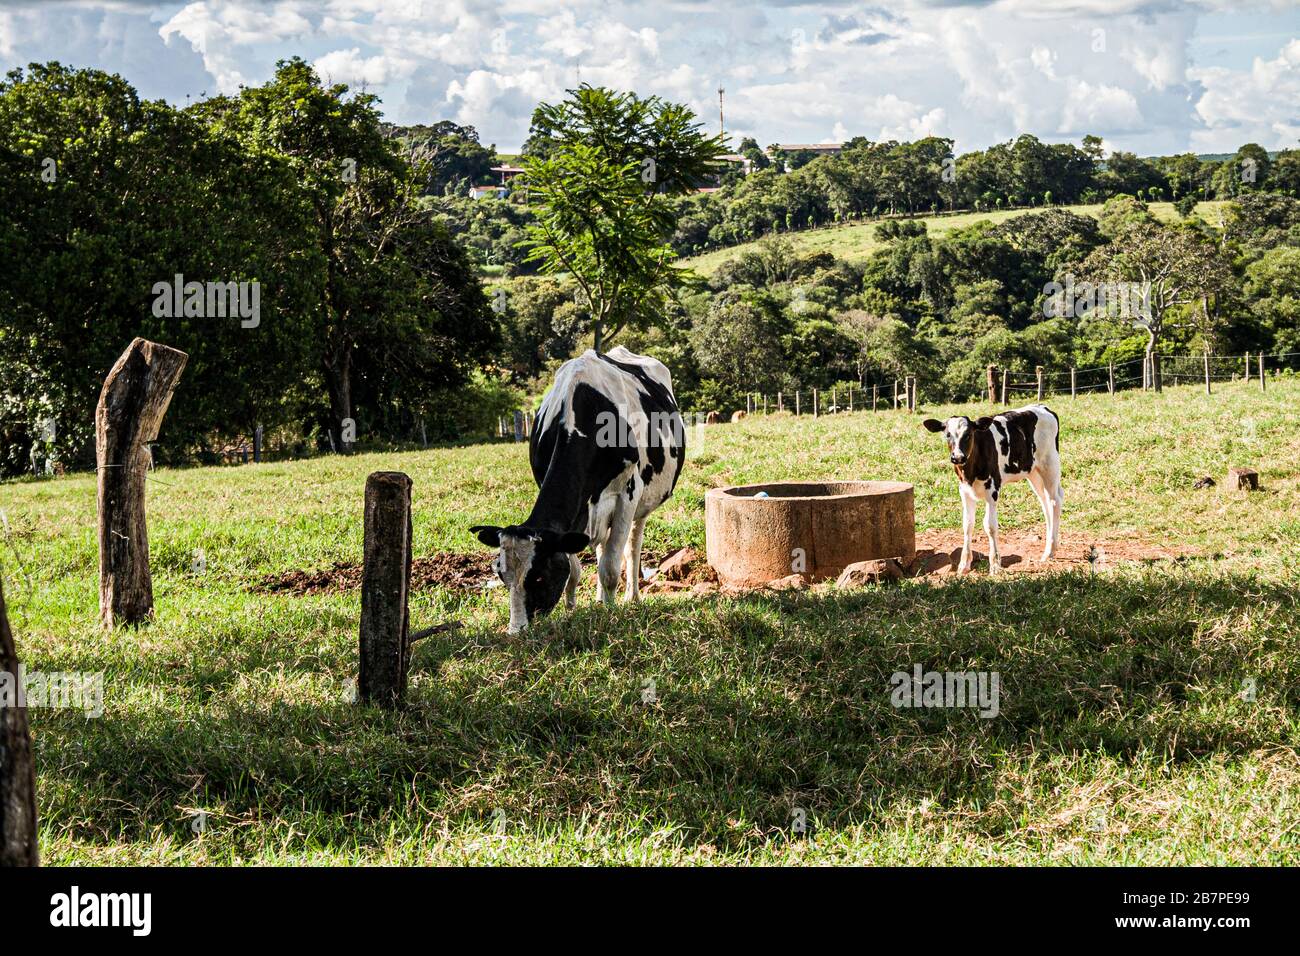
18	845
129	414
338	382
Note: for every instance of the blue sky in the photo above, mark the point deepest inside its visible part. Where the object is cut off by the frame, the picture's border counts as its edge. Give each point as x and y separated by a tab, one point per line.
1154	77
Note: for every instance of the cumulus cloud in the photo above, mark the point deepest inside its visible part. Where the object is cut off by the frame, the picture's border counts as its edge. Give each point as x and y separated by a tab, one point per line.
980	71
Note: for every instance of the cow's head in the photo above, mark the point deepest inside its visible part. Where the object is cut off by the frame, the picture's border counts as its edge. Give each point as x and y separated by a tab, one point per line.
959	431
533	565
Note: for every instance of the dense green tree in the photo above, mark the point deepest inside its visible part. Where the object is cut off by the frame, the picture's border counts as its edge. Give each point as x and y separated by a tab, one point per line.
603	188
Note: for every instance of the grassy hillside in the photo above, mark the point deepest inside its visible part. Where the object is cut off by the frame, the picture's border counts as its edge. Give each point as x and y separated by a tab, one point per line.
857	241
1123	735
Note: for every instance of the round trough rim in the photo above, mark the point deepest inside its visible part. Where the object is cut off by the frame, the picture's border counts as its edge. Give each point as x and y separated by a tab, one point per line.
864	488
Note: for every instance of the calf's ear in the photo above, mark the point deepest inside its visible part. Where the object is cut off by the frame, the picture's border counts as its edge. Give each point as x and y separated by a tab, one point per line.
933	424
488	534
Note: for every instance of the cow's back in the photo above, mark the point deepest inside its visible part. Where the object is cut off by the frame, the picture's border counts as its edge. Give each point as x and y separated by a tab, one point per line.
596	421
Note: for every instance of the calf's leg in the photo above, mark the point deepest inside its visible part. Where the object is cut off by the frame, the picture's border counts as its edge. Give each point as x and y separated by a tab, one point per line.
967	527
991	529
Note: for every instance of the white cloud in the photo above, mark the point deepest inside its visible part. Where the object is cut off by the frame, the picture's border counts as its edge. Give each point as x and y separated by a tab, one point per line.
981	71
1259	105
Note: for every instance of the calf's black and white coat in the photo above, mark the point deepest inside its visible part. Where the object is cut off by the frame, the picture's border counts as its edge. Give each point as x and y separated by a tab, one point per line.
606	450
991	452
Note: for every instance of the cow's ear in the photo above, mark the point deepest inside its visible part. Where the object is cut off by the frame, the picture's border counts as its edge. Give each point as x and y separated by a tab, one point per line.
488	534
571	542
984	422
933	424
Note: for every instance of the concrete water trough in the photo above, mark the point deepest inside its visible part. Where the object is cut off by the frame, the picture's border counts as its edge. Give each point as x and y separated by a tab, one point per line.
760	533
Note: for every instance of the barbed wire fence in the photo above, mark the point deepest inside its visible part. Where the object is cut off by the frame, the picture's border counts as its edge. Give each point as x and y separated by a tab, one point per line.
1003	386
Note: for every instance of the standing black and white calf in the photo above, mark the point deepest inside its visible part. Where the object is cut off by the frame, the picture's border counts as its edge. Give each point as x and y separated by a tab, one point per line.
606	450
992	452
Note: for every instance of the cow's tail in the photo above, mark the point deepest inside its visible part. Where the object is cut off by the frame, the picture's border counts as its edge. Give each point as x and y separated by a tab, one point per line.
1058	426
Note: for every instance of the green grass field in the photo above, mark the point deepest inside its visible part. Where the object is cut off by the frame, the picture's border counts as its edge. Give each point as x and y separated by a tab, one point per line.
857	241
1124	735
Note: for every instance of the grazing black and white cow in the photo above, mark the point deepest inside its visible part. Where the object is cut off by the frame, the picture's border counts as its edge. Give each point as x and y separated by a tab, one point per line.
606	450
991	452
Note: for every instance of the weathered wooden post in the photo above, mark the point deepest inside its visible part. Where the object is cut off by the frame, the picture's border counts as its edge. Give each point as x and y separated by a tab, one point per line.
1155	372
850	398
1247	375
895	394
1074	390
765	405
875	395
1242	479
1040	382
796	401
911	394
992	372
1005	373
519	424
835	400
129	414
1207	373
1262	386
385	584
18	844
780	401
257	444
749	404
816	407
1111	384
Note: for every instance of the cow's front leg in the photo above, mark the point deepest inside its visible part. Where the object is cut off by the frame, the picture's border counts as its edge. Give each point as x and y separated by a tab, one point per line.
575	576
967	527
609	565
632	561
991	529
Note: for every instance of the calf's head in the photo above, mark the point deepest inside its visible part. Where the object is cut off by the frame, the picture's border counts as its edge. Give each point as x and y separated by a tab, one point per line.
959	431
533	565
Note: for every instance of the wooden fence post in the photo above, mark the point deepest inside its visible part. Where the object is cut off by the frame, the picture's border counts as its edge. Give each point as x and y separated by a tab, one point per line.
909	386
519	424
18	843
1040	383
764	404
850	398
835	400
815	404
1262	386
1155	372
1111	381
129	414
1247	377
875	395
257	444
993	384
895	394
749	404
780	402
1207	372
796	401
1005	373
1074	390
385	584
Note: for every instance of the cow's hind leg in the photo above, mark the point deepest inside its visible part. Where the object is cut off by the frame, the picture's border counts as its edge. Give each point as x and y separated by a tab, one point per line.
632	561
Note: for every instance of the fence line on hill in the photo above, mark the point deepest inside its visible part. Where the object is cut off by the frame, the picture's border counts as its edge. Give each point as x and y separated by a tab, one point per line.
901	392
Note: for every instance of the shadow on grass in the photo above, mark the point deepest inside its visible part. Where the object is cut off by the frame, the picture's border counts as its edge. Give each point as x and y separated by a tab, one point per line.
720	716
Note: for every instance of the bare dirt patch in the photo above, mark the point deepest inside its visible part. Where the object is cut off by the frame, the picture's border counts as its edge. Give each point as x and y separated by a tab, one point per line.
1021	550
449	569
